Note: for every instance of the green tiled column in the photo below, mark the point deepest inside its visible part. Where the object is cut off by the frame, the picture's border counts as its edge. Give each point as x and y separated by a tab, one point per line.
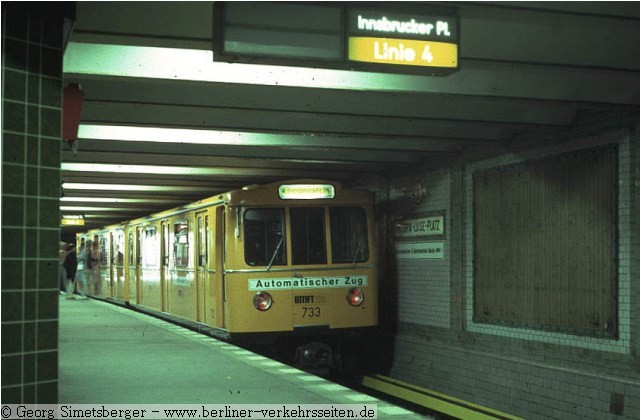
32	42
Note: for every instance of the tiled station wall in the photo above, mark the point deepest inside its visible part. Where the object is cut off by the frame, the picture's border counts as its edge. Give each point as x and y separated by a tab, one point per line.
530	373
31	118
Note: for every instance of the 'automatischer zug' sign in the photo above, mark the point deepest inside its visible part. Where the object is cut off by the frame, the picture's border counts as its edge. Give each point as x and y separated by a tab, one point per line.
382	37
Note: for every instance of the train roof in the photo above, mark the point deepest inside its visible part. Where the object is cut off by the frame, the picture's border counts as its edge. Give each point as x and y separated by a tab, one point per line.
248	195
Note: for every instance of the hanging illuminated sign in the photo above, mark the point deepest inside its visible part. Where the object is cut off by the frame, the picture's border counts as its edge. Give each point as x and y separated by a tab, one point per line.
306	191
404	52
72	220
412	39
402	39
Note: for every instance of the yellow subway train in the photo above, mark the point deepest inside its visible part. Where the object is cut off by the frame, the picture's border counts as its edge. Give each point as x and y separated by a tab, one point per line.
290	262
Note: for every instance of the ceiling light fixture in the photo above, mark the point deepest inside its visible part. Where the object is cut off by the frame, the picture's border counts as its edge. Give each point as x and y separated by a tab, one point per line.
90	208
117	200
150	169
136	187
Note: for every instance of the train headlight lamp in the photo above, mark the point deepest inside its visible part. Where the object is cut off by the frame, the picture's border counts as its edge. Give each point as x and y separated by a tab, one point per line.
355	297
262	301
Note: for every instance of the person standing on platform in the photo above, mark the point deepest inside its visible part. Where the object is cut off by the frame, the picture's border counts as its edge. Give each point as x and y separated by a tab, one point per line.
80	275
62	272
71	265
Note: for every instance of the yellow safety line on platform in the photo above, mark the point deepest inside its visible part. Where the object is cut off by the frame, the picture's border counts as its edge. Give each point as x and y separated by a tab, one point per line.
433	400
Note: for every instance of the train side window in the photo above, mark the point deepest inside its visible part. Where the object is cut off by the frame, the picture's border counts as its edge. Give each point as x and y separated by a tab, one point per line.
307	236
87	249
165	244
264	237
181	244
349	241
132	249
94	251
203	249
119	242
150	247
104	252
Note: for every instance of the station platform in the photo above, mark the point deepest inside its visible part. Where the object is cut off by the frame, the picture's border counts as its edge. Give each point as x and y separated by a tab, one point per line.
112	355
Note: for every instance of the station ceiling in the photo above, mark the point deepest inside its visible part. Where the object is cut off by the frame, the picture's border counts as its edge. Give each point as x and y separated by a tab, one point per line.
164	124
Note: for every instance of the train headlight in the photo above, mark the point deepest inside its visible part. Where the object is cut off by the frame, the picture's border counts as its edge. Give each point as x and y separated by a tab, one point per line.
355	297
262	301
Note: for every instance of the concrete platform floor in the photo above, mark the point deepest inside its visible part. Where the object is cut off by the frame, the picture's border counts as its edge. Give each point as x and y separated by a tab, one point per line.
112	355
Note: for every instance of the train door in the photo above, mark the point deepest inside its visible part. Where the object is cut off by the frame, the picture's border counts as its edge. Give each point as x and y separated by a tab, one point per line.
216	295
91	267
113	275
149	283
104	285
182	287
119	284
130	265
202	263
138	264
164	265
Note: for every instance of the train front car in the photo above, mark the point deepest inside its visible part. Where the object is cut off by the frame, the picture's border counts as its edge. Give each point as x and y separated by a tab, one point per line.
300	259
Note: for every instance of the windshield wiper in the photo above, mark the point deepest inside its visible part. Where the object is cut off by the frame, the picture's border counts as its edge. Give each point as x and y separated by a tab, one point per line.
355	256
273	257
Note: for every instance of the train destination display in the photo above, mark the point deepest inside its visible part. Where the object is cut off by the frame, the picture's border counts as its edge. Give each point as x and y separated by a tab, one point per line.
306	191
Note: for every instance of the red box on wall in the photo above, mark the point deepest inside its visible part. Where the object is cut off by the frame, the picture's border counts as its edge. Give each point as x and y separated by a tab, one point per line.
73	96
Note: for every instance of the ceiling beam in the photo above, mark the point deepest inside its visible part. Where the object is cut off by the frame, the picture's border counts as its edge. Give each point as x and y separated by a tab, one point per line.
360	127
476	77
208	161
328	102
347	155
165	134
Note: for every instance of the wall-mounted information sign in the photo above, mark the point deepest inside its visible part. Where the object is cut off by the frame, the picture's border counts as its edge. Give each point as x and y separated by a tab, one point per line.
420	250
402	39
408	38
422	226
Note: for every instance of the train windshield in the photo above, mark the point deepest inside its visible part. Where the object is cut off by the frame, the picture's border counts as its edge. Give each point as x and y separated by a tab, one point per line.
307	236
265	237
349	242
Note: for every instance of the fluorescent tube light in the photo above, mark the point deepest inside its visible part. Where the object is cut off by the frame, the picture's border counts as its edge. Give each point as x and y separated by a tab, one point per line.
131	187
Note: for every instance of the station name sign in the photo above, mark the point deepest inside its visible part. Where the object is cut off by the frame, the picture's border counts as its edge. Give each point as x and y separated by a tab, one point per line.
402	39
423	226
412	39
